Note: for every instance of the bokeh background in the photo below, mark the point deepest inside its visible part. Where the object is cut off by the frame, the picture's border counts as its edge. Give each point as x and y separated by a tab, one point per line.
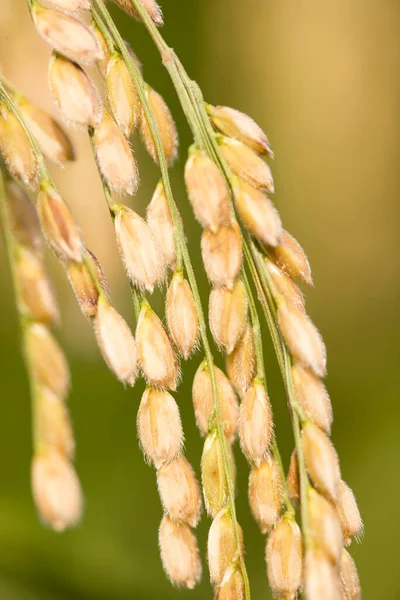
323	79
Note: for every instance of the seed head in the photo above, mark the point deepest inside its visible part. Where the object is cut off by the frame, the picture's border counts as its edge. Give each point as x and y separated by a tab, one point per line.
284	556
238	125
122	94
241	363
160	222
47	362
290	256
116	342
156	354
255	423
324	525
150	5
139	249
16	148
56	490
285	286
115	157
22	219
165	125
321	460
222	254
179	553
213	475
75	94
35	292
232	585
247	165
293	478
53	424
208	192
67	34
179	491
222	547
59	226
351	589
181	312
258	214
83	285
51	138
265	493
159	426
322	581
303	338
349	514
203	401
154	11
228	315
313	397
71	5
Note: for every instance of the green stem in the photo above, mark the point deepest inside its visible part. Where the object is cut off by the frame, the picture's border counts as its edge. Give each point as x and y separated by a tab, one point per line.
255	321
182	249
264	286
9	85
103	30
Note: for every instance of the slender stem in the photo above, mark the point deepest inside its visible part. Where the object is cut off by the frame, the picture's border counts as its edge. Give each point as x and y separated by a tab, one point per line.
296	411
136	302
8	84
279	344
264	301
255	322
182	248
199	121
262	377
297	415
103	30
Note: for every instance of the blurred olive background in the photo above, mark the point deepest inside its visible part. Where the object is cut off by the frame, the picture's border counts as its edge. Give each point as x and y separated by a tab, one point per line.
323	79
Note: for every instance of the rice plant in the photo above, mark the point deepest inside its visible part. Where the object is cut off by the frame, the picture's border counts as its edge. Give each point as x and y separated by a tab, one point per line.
309	515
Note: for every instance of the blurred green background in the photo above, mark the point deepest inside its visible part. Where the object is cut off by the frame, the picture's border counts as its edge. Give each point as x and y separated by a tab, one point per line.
323	79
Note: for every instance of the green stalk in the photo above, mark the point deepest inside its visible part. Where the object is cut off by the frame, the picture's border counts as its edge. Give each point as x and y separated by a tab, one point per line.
255	321
103	30
284	359
136	76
